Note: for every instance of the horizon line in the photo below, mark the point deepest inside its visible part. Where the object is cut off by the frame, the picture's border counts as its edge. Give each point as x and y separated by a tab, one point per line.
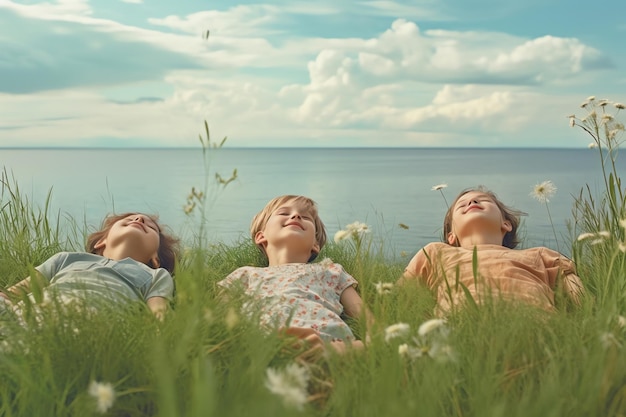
282	147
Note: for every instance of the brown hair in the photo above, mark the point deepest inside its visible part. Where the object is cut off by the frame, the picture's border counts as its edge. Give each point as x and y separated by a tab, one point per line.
168	244
261	218
513	215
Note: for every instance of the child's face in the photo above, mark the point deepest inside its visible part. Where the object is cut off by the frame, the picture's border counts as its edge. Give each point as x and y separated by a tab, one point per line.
474	212
291	224
137	232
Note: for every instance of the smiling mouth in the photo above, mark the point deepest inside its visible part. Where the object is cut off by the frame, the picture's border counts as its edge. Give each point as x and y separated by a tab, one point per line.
474	207
295	224
136	224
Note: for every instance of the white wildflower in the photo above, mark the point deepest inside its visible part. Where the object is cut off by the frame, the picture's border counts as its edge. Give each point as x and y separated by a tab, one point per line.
603	102
403	349
608	340
591	98
619	106
543	191
572	122
596	241
290	384
438	187
604	233
584	236
584	104
429	326
396	330
622	247
592	145
621	321
341	235
358	228
442	353
409	352
383	287
607	118
104	394
591	115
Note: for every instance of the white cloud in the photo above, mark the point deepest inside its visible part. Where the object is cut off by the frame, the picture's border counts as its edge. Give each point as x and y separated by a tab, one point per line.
418	84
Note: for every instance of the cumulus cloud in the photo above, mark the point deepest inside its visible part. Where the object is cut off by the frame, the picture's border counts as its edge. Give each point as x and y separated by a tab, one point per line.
257	80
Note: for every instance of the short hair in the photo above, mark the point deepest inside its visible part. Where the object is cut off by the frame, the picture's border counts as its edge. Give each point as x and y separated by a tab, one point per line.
168	243
510	240
261	218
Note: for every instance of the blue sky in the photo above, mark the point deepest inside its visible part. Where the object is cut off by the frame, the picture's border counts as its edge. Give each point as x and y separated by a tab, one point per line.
290	73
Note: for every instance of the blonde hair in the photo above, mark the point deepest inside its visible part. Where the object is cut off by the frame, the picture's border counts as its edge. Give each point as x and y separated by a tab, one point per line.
261	218
511	240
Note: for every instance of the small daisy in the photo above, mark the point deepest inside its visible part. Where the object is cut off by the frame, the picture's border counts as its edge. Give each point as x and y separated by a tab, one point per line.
383	287
104	394
592	145
358	228
290	384
439	187
341	235
619	106
429	326
544	191
396	330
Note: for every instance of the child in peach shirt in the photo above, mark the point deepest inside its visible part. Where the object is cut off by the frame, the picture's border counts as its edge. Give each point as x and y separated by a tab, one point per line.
478	224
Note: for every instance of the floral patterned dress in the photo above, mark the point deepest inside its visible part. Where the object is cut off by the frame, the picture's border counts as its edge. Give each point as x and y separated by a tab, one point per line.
297	295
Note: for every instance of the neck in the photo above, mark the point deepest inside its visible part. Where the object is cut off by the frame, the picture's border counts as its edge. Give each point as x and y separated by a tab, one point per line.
118	253
286	256
472	240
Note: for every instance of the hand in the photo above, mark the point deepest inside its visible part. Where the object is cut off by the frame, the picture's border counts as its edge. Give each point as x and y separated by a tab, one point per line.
309	339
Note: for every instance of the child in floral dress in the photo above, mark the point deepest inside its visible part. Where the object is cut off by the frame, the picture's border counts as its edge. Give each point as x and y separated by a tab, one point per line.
307	299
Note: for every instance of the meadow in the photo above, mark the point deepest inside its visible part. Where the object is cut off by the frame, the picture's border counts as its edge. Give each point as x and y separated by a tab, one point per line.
206	359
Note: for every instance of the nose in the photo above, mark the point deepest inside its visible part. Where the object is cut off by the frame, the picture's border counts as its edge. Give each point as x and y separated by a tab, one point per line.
472	201
296	215
139	218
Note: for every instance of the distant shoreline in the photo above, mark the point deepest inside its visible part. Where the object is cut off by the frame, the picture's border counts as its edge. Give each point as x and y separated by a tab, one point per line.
119	148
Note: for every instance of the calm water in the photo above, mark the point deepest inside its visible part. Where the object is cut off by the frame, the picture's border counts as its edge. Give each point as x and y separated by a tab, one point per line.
382	187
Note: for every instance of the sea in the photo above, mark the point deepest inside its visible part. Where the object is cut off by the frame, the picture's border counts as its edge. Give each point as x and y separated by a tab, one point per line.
389	189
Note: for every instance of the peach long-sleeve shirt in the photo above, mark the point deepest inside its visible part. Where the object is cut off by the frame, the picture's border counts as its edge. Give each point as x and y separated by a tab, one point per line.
528	275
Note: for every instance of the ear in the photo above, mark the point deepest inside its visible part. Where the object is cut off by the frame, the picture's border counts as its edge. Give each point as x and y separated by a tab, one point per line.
451	238
259	238
156	263
316	248
100	244
507	226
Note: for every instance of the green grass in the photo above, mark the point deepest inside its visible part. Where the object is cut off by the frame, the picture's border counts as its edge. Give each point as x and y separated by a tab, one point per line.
205	359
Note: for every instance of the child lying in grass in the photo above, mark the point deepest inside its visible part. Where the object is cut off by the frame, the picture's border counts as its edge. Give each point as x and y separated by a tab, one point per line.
478	224
308	298
130	259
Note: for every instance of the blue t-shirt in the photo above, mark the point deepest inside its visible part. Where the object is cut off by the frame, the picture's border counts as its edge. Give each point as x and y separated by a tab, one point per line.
95	275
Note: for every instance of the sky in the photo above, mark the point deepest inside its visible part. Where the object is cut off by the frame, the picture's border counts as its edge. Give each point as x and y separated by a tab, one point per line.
428	73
